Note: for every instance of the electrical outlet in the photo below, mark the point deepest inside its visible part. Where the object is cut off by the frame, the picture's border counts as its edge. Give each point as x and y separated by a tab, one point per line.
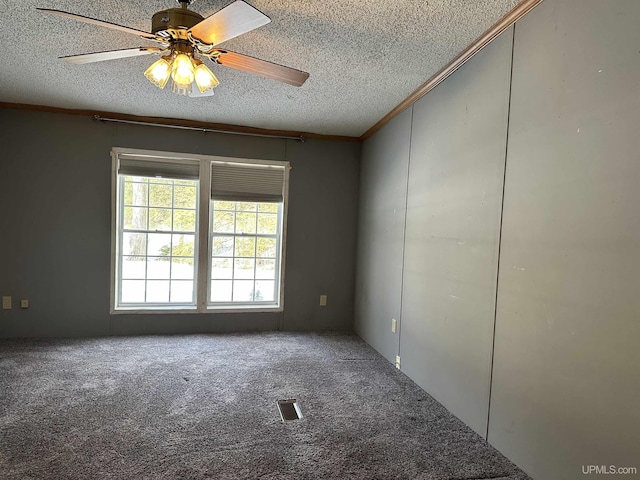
398	362
24	303
394	325
6	303
323	300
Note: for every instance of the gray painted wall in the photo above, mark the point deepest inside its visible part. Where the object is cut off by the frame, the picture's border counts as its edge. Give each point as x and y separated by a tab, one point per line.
566	383
565	387
453	221
55	202
383	197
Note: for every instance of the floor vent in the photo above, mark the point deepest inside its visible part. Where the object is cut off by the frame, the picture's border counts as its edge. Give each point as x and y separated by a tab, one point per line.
289	410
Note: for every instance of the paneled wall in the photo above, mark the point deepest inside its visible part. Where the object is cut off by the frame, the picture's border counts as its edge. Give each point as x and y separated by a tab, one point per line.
383	198
453	223
566	380
519	291
55	203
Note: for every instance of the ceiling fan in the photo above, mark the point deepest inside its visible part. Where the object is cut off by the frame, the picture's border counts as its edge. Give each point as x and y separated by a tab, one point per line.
183	37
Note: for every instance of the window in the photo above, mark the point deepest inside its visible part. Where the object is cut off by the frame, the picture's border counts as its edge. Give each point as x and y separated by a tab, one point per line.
245	243
157	239
197	233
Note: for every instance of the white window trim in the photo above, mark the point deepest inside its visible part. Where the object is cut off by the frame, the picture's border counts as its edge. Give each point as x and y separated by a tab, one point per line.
203	227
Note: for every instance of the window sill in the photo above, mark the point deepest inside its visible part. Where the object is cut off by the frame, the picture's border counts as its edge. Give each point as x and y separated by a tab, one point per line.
156	310
245	309
192	310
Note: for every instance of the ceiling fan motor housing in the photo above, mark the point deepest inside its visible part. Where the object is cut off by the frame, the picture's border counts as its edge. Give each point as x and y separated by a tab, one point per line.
174	19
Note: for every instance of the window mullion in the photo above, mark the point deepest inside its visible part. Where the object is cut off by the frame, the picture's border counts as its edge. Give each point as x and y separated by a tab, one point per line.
203	255
255	256
146	242
173	200
279	253
120	238
233	262
233	267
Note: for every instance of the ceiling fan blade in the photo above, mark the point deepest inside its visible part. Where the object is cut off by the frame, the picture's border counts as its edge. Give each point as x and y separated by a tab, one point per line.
261	67
233	20
110	55
100	23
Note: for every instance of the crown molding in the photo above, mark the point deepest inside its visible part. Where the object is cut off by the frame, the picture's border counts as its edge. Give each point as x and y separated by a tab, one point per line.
503	24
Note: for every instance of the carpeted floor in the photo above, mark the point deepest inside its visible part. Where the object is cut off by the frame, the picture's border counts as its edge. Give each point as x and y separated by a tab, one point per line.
204	407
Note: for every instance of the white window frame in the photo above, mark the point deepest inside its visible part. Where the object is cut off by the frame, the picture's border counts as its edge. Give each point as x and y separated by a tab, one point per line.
203	253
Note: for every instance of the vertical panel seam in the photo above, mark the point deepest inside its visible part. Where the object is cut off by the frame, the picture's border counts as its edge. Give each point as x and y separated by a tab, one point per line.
280	321
504	177
404	238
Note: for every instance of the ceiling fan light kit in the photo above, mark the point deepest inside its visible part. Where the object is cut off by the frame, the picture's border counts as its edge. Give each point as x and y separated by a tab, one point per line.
160	71
184	69
204	78
185	35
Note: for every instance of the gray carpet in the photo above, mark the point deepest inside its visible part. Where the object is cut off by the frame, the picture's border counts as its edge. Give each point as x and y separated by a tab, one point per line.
204	407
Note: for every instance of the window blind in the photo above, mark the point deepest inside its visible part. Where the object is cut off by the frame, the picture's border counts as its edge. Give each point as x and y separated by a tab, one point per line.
145	166
247	182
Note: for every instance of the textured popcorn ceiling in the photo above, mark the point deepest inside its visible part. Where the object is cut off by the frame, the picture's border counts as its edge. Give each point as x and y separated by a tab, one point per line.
364	58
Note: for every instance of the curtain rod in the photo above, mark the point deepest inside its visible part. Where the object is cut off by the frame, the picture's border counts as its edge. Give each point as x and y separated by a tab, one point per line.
99	118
